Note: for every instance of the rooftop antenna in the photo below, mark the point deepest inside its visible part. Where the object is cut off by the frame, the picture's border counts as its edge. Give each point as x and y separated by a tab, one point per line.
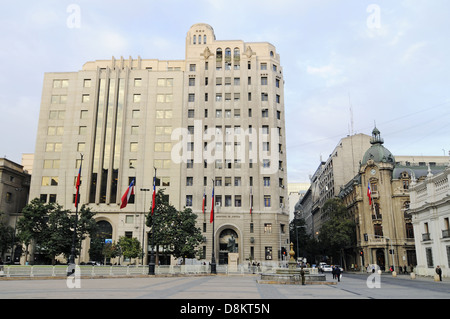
351	115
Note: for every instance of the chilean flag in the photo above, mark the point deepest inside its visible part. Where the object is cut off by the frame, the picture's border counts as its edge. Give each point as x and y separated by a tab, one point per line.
154	195
211	217
369	193
77	196
251	201
127	194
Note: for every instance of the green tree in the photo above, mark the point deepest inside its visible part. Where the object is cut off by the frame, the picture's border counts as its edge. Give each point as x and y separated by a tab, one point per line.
6	236
175	230
187	238
50	228
130	247
338	232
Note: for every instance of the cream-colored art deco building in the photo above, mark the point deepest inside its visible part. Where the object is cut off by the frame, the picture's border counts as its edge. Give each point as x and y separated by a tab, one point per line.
216	117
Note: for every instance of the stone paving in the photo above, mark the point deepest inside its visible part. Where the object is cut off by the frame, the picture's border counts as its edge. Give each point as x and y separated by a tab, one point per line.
229	287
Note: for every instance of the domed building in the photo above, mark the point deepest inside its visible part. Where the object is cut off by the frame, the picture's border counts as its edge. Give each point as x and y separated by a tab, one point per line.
378	198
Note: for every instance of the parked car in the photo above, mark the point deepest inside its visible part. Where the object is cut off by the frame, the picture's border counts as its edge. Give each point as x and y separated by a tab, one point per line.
326	268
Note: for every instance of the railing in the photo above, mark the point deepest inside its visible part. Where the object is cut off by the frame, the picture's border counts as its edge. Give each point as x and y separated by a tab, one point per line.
132	270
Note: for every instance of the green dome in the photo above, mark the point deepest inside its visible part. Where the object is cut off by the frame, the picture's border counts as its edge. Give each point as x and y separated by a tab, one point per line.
377	152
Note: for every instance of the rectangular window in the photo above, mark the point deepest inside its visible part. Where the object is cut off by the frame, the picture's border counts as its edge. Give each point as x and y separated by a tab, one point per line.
188	200
237	201
266	200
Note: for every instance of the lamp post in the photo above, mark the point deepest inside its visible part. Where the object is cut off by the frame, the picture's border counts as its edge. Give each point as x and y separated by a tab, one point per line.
71	264
296	232
151	264
145	190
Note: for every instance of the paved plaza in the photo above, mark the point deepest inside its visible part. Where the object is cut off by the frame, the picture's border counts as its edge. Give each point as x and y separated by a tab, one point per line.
227	287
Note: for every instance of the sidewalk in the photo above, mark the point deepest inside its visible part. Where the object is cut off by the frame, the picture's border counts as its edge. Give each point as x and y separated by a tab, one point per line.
400	276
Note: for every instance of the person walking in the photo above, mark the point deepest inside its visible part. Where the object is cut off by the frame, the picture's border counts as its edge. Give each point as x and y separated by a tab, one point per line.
439	272
337	272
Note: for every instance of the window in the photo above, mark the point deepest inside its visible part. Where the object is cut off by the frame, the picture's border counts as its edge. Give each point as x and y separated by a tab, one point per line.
268	228
87	83
191	97
429	255
227	200
85	98
136	98
237	201
192	67
189	181
266	200
129	219
268	253
133	147
137	82
60	83
191	114
266	181
264	80
191	81
263	66
188	200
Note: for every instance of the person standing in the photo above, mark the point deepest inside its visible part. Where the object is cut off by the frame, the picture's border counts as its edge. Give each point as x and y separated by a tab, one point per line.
439	272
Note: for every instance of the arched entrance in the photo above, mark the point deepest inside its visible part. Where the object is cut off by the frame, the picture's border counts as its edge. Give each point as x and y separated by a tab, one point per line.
380	258
99	240
228	243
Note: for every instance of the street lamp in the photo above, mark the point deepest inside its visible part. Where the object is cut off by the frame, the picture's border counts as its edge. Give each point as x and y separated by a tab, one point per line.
296	232
145	190
71	264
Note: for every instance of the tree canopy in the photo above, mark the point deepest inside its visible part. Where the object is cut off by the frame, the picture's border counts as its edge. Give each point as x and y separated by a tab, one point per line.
173	229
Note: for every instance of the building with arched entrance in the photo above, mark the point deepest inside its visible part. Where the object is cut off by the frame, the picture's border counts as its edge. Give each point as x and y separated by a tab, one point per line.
212	120
379	199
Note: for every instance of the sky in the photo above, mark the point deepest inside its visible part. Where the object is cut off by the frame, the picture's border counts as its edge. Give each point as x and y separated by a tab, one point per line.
347	64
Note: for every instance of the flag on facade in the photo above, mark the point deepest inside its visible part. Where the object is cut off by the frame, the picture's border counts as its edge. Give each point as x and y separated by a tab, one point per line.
77	195
126	196
154	195
251	201
204	202
211	217
369	193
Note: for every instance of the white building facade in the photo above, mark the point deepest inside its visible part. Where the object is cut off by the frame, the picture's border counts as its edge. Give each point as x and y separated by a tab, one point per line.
430	209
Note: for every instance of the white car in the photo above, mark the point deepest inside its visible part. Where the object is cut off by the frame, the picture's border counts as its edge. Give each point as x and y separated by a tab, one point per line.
327	268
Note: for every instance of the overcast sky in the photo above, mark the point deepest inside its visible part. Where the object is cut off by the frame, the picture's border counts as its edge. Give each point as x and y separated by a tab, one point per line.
387	61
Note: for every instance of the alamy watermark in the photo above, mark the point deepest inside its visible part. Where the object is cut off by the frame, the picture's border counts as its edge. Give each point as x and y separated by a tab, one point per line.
231	146
74	280
374	19
74	19
374	280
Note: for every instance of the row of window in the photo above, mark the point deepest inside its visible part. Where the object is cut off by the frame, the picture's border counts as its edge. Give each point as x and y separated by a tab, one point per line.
229	202
236	81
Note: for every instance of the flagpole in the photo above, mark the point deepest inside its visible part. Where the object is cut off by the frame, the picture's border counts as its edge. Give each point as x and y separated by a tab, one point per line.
213	258
151	264
71	263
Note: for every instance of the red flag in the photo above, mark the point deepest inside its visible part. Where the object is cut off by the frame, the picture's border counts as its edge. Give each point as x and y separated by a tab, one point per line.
251	201
203	203
211	217
77	195
369	193
154	195
126	196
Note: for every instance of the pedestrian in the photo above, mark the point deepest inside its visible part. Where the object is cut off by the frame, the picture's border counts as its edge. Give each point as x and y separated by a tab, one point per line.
338	273
333	272
302	273
439	272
